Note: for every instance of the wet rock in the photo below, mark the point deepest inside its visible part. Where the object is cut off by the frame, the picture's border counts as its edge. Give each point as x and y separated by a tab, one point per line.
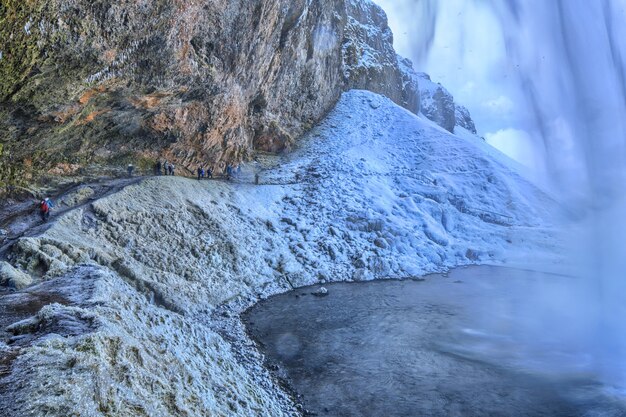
321	292
14	278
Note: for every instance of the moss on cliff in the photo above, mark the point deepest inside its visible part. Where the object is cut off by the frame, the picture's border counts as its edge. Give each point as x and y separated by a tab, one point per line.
19	43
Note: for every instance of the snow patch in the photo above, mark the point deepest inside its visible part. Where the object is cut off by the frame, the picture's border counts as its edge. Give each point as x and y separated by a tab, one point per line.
373	192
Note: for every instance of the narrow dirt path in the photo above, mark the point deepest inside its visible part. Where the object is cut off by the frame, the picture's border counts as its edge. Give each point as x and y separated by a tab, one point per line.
22	219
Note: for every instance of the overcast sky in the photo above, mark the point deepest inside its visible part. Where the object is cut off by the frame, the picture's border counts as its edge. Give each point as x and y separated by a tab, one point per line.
468	57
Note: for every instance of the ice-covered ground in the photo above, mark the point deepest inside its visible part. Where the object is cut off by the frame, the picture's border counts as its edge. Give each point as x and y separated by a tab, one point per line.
372	192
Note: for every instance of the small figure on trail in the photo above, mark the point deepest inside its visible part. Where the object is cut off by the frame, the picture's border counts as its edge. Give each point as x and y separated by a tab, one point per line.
166	168
170	169
209	172
44	209
130	170
157	168
229	172
256	178
200	173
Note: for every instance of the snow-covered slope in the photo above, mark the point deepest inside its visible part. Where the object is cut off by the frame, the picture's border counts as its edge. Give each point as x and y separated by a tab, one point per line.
373	192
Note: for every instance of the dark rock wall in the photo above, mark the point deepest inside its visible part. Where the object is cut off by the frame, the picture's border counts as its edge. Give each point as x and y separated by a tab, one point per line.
206	82
86	81
90	80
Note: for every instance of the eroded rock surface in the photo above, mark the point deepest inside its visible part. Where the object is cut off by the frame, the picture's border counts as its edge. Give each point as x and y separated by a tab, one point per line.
194	82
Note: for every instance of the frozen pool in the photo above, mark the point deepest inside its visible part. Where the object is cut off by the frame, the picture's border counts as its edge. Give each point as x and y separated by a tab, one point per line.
470	343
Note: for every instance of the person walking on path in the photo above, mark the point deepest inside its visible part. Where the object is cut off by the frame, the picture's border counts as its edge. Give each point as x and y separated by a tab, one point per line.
170	169
209	172
130	170
157	168
229	172
44	209
200	173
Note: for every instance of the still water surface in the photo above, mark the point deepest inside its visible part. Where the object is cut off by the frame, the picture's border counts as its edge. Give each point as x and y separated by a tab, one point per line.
465	344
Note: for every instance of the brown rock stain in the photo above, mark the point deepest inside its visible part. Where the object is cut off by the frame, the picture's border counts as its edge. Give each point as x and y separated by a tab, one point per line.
149	101
89	94
64	169
92	116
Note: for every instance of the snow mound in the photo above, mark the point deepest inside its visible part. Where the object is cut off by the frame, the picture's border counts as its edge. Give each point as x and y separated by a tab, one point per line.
372	192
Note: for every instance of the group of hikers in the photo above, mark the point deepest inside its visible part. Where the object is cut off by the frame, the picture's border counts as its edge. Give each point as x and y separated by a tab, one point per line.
164	168
160	168
167	168
208	173
202	173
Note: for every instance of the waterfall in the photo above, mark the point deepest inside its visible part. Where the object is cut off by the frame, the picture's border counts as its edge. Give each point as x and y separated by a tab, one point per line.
570	58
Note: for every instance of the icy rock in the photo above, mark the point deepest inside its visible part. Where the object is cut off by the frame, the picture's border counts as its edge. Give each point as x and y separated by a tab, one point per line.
288	221
370	61
362	274
472	255
437	103
321	292
22	327
381	243
374	104
464	119
77	197
13	277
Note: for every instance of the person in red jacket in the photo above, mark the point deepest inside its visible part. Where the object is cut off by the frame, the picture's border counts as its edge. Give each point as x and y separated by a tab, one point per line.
44	209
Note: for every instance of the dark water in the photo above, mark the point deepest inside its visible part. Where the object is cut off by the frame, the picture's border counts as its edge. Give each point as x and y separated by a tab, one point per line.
446	346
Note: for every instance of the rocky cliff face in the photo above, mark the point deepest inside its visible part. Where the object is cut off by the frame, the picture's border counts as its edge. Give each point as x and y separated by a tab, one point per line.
85	82
464	119
437	103
370	61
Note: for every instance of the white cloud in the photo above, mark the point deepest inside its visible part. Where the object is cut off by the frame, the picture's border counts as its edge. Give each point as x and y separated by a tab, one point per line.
500	106
469	88
518	145
468	56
